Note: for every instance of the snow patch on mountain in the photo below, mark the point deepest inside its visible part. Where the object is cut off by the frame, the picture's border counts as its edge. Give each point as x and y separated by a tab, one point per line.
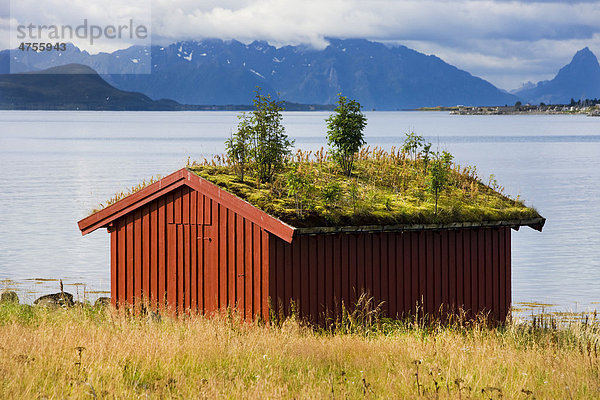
256	73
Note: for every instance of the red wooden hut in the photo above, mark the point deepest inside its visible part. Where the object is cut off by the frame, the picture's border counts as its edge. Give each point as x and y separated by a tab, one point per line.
188	244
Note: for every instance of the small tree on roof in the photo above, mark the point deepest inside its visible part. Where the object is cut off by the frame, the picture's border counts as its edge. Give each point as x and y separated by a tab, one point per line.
345	134
271	144
411	144
439	174
239	147
260	142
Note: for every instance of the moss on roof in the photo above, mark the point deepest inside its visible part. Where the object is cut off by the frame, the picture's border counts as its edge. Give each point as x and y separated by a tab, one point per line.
386	188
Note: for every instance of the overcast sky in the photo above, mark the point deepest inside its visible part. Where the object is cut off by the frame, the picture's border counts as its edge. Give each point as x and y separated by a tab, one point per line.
505	42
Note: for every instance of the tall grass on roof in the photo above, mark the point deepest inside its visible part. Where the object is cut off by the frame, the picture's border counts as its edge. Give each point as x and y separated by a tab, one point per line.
405	185
385	188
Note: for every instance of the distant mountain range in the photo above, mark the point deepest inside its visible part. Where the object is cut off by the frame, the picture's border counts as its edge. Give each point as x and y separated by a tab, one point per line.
580	79
79	87
226	72
69	87
216	74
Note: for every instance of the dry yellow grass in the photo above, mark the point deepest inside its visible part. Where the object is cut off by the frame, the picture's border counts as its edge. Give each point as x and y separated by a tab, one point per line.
86	353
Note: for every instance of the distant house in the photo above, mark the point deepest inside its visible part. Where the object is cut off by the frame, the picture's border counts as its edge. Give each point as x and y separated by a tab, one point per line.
189	245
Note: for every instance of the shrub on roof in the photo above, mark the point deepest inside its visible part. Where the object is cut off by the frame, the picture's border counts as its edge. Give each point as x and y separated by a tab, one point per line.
386	188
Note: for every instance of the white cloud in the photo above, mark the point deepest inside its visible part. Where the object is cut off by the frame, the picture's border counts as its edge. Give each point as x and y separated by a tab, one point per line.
506	42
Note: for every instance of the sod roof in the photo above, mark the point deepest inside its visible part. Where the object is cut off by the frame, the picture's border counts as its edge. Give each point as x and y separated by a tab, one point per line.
385	189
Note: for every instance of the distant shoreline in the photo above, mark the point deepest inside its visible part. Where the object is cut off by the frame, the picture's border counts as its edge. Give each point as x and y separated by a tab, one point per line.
286	107
556	109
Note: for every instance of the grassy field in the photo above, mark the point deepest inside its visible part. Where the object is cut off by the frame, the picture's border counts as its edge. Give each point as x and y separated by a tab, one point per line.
93	353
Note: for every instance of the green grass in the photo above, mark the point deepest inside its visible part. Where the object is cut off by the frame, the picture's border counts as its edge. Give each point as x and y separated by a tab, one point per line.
86	352
386	188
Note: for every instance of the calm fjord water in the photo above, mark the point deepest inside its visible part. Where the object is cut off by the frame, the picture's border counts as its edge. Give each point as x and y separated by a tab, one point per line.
55	167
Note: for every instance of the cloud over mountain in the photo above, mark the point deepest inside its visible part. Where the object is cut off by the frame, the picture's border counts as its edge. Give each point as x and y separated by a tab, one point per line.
506	42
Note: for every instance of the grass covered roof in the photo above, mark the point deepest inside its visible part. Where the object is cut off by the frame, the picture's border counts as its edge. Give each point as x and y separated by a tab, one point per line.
385	188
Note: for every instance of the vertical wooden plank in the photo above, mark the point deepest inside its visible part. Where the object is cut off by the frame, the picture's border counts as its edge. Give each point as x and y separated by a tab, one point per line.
313	282
194	265
403	271
130	257
288	272
209	217
182	253
169	201
508	272
190	243
297	274
475	266
122	270
203	244
460	276
273	272
207	275
469	283
384	273
376	267
452	270
344	271
193	206
231	261
419	273
352	269
502	273
496	274
305	271
153	229
162	253
321	266
431	249
411	272
146	255
443	278
393	293
369	264
172	268
210	271
137	269
401	302
481	261
256	265
207	262
435	269
489	272
424	277
223	254
177	206
185	204
265	273
360	264
391	282
240	280
114	265
329	277
212	262
279	278
337	272
248	272
202	204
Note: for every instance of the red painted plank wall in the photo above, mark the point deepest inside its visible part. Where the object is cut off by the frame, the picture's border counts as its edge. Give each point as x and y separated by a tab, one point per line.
468	268
188	251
